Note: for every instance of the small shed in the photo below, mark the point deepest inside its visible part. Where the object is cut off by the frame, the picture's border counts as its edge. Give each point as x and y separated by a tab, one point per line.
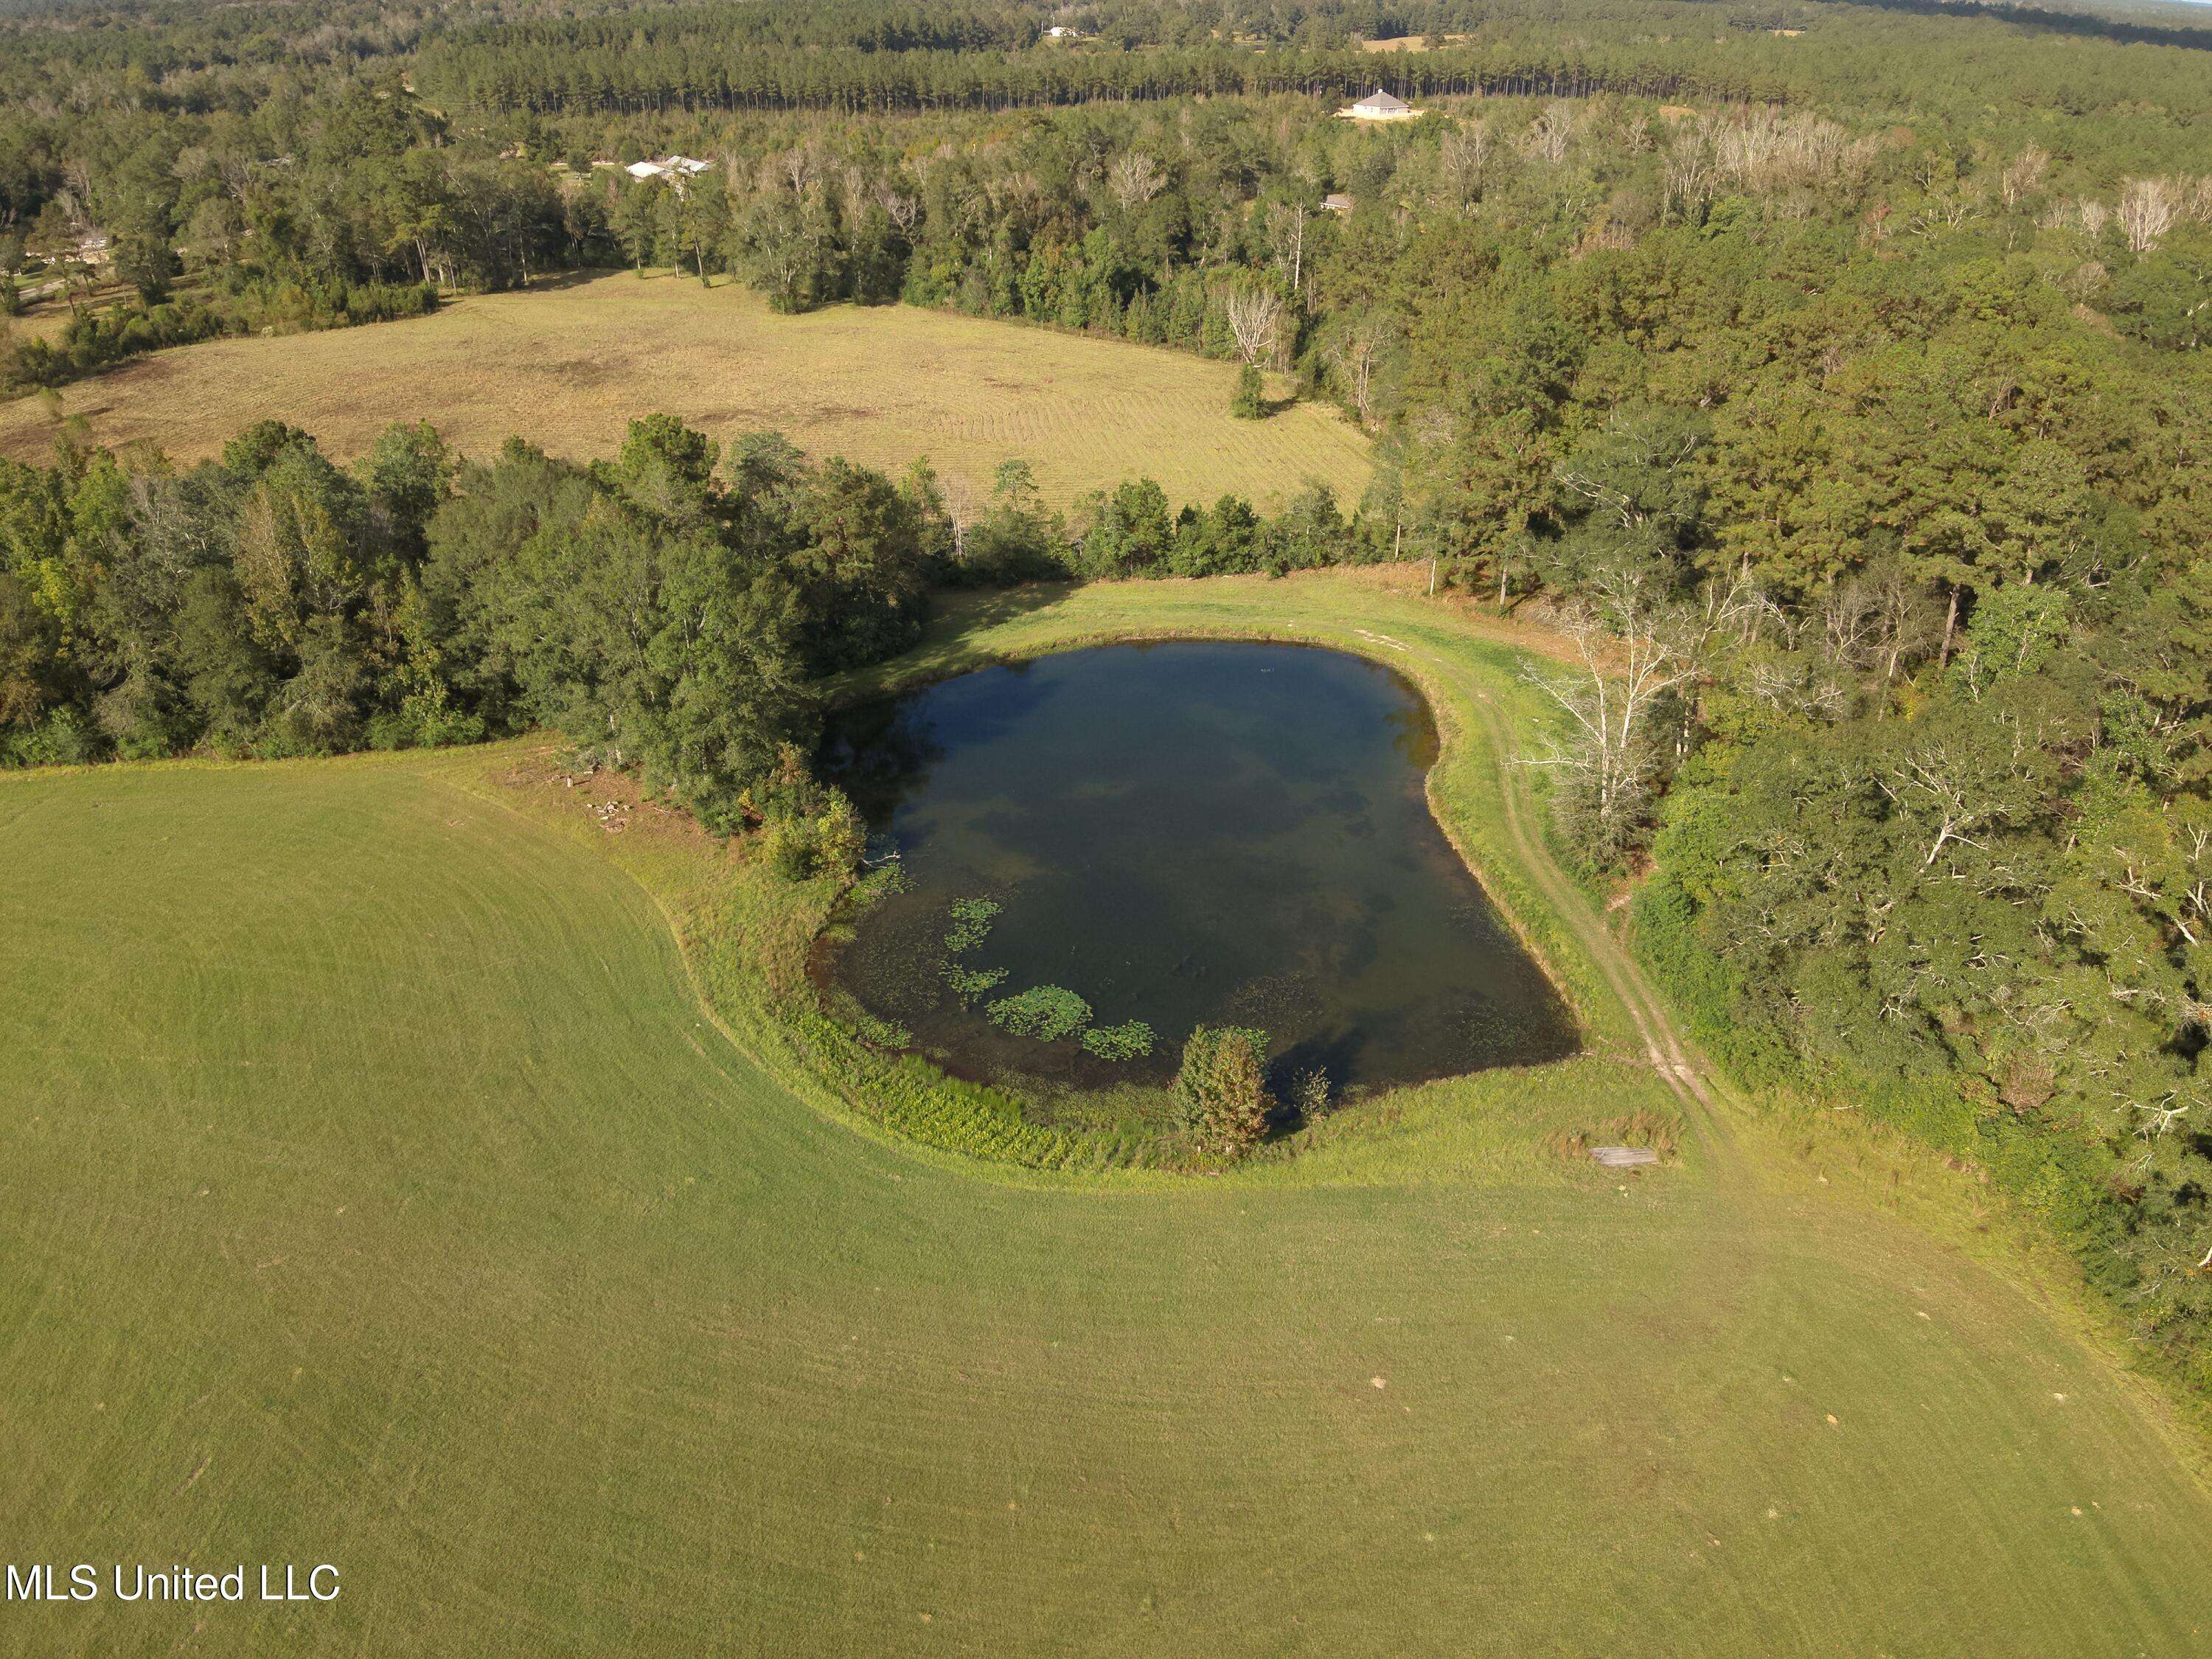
1338	203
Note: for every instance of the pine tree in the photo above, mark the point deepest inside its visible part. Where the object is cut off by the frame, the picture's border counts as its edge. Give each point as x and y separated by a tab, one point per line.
1223	1089
1250	402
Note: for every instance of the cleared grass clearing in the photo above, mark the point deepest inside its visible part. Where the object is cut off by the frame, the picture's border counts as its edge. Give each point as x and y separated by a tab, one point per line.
374	1189
1408	43
570	365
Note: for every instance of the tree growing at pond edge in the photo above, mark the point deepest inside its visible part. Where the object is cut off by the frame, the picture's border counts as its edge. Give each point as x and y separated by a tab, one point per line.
1222	1089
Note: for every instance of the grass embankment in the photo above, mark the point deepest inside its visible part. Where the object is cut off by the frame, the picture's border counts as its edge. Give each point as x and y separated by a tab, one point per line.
374	1188
569	366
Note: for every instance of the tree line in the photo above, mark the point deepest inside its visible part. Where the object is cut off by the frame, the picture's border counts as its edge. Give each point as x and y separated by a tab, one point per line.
243	173
721	56
668	610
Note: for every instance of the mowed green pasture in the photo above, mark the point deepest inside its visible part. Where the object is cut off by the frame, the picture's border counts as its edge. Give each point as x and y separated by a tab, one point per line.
374	1189
569	366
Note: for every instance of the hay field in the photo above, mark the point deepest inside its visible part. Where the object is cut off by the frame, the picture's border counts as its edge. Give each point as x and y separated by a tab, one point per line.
375	1189
569	366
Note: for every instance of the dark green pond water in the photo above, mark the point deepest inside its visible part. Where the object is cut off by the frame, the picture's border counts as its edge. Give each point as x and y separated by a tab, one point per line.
1183	833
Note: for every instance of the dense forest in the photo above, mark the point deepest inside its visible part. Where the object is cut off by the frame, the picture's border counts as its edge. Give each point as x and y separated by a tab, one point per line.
1833	374
264	169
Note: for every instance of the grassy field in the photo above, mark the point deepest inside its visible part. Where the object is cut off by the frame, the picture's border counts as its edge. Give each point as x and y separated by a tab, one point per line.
570	366
375	1188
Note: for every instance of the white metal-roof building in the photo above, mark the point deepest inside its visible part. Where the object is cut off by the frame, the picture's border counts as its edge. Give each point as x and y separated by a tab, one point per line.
1379	106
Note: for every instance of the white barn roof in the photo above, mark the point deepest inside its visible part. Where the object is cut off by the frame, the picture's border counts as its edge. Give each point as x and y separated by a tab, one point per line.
677	167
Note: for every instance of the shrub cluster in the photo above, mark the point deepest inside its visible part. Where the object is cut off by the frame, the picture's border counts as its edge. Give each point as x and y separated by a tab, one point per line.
1222	1090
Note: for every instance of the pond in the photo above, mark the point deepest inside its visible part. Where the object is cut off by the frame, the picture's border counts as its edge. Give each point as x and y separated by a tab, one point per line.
1180	833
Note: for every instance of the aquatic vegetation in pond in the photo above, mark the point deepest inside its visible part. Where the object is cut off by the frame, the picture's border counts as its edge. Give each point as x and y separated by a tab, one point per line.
968	983
971	924
881	1032
1130	1040
1047	1012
